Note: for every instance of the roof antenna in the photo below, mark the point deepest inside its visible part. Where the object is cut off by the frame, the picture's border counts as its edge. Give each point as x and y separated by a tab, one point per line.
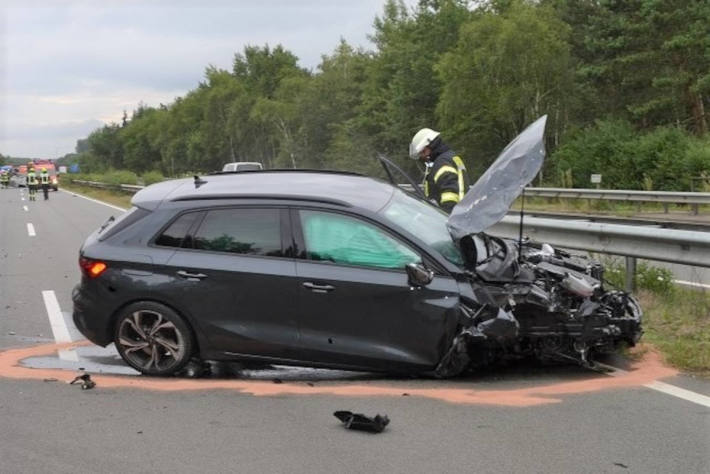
199	182
520	235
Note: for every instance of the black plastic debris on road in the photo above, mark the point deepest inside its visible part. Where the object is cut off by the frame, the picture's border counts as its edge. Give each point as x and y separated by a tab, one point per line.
84	380
358	421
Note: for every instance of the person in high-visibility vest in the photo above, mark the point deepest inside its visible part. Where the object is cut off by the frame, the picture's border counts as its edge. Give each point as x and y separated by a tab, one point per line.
4	179
445	179
44	181
32	183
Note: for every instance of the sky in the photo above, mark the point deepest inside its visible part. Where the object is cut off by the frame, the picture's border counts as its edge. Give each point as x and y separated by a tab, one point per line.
68	67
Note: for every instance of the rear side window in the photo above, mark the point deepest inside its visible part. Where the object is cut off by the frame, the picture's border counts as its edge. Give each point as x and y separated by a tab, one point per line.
175	234
241	231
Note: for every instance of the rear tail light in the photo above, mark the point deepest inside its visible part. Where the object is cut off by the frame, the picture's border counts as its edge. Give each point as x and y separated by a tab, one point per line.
91	268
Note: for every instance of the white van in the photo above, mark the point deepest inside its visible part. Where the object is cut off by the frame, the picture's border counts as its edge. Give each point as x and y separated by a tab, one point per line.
243	166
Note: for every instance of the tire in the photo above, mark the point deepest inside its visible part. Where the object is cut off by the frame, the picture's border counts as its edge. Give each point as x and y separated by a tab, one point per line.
153	339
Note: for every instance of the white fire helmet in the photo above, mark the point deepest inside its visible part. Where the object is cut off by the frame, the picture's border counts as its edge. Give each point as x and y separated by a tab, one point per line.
421	139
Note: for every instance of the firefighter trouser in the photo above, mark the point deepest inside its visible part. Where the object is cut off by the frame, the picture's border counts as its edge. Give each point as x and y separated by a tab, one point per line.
45	190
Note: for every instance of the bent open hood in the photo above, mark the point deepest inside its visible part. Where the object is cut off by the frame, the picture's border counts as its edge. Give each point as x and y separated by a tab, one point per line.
487	201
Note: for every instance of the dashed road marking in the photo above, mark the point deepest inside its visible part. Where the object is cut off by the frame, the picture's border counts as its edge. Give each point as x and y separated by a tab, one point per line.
96	201
666	388
25	208
58	324
31	230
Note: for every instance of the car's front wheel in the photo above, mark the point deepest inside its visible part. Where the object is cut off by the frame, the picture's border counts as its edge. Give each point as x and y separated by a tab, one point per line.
153	338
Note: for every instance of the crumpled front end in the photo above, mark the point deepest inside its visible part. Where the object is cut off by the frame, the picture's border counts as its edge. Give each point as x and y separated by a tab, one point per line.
551	305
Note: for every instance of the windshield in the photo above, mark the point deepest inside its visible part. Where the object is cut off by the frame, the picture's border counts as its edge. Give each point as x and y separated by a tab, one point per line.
425	221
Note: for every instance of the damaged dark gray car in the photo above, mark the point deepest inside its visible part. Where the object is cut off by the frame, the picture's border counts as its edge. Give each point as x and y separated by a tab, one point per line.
339	270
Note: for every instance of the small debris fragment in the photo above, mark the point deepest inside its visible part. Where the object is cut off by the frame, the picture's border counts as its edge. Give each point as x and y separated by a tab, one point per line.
85	380
11	333
310	384
405	394
195	369
621	465
277	381
51	379
358	421
139	432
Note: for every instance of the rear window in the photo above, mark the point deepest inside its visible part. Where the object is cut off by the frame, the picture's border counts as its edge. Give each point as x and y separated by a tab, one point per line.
241	231
115	225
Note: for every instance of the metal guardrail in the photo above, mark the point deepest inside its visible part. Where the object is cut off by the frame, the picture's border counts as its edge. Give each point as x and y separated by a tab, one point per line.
131	188
667	245
663	197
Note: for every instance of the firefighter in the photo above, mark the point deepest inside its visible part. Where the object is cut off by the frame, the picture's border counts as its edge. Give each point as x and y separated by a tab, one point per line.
44	181
32	183
445	178
4	179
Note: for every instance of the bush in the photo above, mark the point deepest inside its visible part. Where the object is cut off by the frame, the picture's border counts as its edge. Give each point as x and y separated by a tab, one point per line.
663	159
654	279
117	177
152	177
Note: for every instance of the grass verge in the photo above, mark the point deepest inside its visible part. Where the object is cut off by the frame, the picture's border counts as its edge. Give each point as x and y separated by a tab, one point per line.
116	198
678	324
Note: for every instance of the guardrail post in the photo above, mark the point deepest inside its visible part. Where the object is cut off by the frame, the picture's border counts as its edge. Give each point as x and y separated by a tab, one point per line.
630	274
695	209
665	208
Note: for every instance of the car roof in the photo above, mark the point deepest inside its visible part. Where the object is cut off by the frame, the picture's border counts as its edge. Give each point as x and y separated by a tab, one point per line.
338	188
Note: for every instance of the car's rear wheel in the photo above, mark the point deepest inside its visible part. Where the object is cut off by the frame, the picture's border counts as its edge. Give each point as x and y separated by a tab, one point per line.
153	338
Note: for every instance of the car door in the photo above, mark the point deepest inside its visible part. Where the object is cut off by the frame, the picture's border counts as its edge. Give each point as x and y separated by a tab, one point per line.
235	276
356	307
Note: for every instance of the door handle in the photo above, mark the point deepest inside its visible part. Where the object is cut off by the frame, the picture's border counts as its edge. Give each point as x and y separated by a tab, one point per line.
191	276
318	288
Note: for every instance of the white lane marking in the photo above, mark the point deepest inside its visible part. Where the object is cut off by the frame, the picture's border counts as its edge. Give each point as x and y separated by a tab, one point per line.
691	283
662	387
680	393
95	200
31	230
25	208
58	324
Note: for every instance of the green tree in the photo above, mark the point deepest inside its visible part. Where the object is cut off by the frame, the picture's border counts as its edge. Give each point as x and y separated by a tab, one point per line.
506	70
402	88
651	58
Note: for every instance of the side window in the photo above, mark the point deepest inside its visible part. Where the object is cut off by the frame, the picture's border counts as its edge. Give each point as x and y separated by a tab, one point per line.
241	231
345	240
175	233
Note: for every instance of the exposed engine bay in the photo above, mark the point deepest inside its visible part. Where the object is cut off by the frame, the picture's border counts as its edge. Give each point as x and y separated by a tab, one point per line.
540	302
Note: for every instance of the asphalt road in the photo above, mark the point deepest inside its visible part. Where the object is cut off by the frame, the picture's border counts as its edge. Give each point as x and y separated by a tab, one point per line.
520	418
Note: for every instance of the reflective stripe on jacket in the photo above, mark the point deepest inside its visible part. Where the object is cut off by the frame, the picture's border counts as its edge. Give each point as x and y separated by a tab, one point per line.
446	181
31	178
44	178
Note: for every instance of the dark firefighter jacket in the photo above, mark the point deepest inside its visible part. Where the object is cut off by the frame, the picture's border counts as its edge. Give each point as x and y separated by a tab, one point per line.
446	180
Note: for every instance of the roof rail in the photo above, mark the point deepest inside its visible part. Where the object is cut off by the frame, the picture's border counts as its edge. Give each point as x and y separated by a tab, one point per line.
289	170
262	197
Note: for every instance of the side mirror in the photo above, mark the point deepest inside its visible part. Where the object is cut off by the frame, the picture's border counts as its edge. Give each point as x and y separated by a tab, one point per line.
418	275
